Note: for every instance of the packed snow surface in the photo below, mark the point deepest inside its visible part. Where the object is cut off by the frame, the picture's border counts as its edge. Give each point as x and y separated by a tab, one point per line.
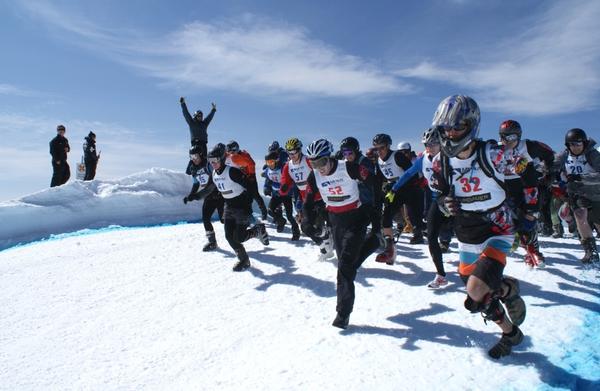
145	308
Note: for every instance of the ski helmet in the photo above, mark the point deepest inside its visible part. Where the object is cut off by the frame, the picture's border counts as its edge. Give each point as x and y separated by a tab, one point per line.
218	151
233	146
60	128
404	146
198	114
273	155
575	135
510	127
293	144
196	150
91	134
274	146
319	148
457	112
382	138
431	136
350	143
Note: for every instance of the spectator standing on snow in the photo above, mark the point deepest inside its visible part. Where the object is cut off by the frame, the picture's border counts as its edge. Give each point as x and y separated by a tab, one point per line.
90	156
198	125
59	147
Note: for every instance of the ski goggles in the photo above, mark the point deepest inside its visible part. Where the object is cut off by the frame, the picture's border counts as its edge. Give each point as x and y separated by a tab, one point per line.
575	143
195	156
509	137
213	160
347	152
319	162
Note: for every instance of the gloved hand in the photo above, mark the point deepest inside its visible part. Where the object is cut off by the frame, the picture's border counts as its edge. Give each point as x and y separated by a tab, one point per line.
268	191
181	100
185	200
213	105
389	196
451	205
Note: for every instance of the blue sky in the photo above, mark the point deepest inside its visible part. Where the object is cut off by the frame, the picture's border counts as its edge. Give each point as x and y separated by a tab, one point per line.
278	69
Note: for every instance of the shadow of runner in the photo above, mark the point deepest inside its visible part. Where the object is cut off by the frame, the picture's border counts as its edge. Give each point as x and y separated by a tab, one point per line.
287	276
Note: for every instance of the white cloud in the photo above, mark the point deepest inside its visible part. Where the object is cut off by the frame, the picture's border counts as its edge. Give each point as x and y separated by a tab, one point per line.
12	90
552	68
249	54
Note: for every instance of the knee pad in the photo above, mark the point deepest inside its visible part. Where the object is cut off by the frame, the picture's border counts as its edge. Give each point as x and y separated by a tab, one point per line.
474	306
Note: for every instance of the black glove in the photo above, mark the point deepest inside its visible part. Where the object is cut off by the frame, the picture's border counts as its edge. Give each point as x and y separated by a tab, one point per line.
185	200
181	100
451	205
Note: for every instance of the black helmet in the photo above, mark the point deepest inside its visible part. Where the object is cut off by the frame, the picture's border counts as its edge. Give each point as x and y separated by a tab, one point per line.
510	127
574	135
274	146
233	146
273	155
91	134
382	138
198	114
350	143
218	151
196	150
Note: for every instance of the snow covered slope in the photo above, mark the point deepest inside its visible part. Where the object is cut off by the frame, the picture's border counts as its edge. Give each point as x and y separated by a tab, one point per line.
144	308
150	197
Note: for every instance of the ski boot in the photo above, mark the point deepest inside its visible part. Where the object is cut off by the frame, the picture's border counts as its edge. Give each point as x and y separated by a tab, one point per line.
504	346
388	256
326	249
341	321
261	234
591	252
243	260
212	242
295	233
558	231
417	237
280	222
515	306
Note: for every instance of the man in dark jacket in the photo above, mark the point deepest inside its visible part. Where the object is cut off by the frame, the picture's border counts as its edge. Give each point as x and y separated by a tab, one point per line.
90	156
198	125
59	147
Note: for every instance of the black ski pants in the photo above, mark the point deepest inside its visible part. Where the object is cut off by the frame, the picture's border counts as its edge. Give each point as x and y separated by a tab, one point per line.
314	219
61	172
436	221
412	197
276	212
349	230
90	169
208	208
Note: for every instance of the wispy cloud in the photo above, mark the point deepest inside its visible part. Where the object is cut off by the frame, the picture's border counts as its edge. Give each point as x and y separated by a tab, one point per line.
249	54
552	68
12	90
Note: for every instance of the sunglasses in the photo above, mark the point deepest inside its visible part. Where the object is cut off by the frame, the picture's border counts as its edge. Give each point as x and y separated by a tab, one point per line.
213	160
347	152
195	156
509	137
575	143
380	147
293	152
319	162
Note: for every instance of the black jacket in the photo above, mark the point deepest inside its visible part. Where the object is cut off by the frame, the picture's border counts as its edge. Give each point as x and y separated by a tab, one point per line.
59	146
89	150
198	129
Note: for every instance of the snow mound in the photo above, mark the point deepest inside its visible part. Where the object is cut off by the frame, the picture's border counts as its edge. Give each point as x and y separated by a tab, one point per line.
150	197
